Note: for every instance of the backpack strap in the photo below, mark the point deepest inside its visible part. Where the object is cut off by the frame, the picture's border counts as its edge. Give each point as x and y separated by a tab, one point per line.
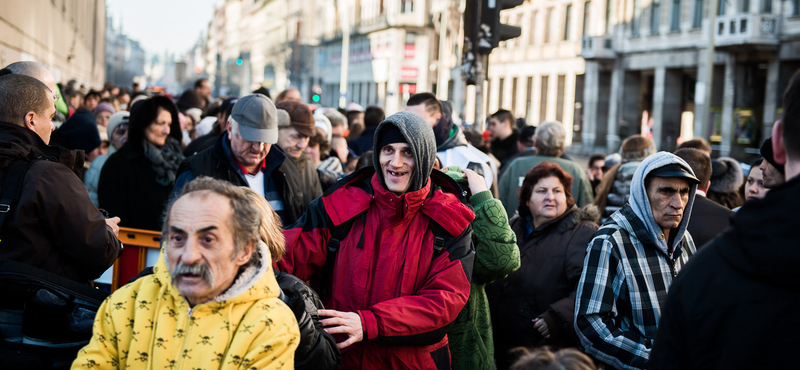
338	233
11	187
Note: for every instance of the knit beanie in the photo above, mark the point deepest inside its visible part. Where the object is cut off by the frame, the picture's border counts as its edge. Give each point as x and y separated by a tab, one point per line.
80	131
636	148
418	133
766	152
104	107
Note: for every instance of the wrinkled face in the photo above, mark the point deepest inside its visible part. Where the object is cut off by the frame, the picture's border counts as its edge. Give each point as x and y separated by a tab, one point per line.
204	90
548	200
754	187
772	177
313	153
120	135
158	131
496	128
248	153
102	118
200	247
668	198
596	170
421	111
292	141
397	165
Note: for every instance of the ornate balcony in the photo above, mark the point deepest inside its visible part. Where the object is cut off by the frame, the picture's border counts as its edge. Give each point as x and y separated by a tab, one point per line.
746	30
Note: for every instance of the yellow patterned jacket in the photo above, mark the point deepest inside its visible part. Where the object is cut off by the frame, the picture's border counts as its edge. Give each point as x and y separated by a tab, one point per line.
148	325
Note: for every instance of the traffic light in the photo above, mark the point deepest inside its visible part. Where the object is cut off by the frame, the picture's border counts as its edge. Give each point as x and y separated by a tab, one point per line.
239	61
316	94
493	30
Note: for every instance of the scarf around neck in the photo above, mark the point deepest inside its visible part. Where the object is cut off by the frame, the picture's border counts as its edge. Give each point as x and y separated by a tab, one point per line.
164	160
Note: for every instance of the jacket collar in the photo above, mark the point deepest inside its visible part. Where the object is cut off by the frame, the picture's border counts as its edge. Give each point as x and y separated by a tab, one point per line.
456	139
395	208
222	150
21	143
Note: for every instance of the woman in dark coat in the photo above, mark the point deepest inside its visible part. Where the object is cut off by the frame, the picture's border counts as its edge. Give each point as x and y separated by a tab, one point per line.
534	305
136	181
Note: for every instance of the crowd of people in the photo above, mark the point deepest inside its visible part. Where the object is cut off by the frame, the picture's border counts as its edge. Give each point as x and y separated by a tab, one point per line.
297	236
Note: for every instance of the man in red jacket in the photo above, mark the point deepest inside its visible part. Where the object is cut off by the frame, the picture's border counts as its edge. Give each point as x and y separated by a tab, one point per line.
390	249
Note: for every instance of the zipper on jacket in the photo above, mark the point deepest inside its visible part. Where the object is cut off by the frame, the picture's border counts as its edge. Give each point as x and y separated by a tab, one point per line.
185	338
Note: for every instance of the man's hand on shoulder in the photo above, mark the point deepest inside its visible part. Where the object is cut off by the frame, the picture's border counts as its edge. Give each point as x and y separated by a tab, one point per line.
113	223
343	323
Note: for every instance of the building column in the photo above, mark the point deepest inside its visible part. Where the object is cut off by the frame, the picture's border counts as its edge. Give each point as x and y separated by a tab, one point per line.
552	96
727	106
658	105
569	107
612	136
701	106
771	96
591	92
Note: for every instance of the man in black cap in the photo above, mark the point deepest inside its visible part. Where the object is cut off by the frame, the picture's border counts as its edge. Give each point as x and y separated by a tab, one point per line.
772	172
245	156
390	248
631	262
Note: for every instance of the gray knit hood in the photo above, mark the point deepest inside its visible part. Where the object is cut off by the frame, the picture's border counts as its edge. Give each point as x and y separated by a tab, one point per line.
419	135
641	204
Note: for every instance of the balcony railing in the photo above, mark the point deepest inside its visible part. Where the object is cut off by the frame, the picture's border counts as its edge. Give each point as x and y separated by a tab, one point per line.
597	47
746	29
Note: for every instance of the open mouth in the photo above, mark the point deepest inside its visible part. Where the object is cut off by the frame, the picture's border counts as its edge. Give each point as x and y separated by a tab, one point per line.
397	174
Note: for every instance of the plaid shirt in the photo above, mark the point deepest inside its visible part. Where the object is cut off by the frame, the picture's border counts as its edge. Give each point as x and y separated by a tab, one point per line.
622	288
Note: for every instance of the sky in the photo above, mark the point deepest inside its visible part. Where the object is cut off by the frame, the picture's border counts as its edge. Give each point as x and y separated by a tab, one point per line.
162	25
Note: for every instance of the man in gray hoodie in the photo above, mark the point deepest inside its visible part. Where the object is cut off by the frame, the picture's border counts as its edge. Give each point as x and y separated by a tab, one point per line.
631	262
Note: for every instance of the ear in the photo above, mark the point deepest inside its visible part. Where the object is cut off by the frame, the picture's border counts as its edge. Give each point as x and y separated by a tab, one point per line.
778	147
228	127
246	253
437	116
708	186
30	120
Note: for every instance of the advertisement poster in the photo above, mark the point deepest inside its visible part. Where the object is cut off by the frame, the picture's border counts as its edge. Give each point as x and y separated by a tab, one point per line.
715	124
744	128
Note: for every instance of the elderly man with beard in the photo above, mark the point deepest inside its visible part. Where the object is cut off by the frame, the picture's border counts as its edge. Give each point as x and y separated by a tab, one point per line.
212	301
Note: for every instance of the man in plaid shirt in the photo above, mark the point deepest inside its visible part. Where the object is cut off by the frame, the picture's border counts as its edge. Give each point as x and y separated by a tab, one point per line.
631	261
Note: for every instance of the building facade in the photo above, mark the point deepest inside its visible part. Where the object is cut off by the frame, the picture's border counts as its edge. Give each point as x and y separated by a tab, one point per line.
648	69
125	58
66	36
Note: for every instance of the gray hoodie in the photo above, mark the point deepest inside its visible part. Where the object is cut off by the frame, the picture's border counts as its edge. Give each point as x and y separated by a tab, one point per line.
641	204
419	135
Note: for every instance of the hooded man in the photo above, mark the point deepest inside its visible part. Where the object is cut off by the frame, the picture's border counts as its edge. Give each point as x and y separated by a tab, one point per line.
631	261
390	248
734	306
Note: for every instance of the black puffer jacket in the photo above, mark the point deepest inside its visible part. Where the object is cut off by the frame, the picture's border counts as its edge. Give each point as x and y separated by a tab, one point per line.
317	349
551	257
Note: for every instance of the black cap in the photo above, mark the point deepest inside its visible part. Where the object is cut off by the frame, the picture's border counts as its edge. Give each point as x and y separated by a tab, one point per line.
766	152
674	170
391	135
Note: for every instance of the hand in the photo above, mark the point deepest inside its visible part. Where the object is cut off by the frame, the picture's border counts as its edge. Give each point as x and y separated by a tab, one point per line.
112	223
343	323
541	326
476	182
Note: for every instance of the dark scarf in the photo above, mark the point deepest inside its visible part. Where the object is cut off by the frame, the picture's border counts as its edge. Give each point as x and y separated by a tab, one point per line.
442	129
165	160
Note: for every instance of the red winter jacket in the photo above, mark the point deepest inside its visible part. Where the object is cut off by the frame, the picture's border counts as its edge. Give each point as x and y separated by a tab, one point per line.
386	267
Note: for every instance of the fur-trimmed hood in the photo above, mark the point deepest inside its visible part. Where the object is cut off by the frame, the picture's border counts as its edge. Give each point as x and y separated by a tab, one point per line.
727	175
589	212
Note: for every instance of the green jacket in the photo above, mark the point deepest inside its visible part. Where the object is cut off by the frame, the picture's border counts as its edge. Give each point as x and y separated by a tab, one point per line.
496	255
515	171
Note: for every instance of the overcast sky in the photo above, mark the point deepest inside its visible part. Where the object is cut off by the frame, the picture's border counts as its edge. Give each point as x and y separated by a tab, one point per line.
162	25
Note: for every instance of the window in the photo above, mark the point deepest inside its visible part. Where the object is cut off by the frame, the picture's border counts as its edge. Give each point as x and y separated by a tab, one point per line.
609	27
500	88
795	7
721	7
547	25
406	6
587	8
543	101
514	96
655	16
675	18
567	15
560	98
744	6
532	36
766	6
636	22
697	17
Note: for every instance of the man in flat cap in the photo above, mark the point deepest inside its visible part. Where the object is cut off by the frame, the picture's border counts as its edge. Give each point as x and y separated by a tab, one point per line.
245	156
631	262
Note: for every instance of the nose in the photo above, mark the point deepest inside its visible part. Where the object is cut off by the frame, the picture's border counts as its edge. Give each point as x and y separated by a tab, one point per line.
676	201
397	160
256	145
191	252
